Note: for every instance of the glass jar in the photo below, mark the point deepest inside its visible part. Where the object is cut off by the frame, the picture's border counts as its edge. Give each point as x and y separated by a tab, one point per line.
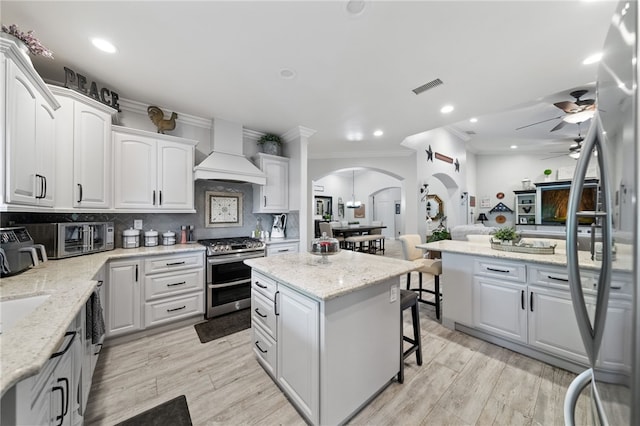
168	238
131	238
151	238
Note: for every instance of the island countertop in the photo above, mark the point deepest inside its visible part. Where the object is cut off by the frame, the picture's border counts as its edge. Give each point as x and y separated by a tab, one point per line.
622	263
25	348
346	271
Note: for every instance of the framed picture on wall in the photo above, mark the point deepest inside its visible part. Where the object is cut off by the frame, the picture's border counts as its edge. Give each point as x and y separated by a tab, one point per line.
223	209
523	220
359	212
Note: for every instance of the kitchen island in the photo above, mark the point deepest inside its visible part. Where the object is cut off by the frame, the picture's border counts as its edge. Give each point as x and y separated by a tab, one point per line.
522	301
329	334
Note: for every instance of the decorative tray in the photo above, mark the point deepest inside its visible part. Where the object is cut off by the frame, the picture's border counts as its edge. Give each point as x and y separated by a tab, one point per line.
523	248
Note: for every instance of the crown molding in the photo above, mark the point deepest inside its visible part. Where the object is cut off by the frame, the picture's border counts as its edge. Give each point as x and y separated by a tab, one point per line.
141	108
361	154
299	131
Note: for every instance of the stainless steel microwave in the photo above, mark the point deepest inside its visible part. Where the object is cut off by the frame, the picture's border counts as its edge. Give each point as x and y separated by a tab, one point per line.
69	239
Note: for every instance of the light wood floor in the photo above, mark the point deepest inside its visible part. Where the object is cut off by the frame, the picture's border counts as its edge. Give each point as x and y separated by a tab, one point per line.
462	381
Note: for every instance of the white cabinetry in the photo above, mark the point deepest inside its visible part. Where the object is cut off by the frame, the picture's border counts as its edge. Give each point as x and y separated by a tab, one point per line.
83	134
152	172
273	197
173	288
263	321
499	307
277	248
28	134
298	350
123	297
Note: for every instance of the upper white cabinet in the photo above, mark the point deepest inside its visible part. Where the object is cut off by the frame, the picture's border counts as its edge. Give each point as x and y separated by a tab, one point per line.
28	135
152	171
273	197
83	135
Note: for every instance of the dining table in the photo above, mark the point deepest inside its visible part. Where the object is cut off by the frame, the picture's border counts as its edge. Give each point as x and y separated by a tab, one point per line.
355	229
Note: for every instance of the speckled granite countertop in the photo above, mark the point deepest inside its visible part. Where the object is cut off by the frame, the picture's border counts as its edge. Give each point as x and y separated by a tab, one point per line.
346	271
26	347
622	263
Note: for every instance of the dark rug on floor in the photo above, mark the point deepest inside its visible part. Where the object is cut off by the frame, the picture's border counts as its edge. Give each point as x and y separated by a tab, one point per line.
224	325
170	413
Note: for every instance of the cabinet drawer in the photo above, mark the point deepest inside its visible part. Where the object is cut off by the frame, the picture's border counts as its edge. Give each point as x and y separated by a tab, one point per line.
558	277
263	284
161	312
171	283
276	249
154	264
265	349
500	269
262	311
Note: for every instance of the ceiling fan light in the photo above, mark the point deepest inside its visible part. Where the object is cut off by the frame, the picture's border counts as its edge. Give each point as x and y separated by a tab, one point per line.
354	204
578	117
575	155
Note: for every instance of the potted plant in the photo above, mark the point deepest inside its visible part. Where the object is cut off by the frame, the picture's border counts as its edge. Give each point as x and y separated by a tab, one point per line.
547	175
507	235
439	234
270	144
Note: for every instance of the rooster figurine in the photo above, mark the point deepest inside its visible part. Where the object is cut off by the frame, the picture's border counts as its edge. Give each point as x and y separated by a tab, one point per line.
157	116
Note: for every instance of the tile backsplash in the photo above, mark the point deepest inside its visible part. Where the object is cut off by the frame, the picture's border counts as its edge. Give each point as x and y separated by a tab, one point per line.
163	222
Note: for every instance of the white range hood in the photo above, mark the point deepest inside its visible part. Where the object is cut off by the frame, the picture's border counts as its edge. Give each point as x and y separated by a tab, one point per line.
226	161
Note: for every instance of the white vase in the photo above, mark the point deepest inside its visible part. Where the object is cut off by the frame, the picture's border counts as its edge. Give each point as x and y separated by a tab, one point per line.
271	147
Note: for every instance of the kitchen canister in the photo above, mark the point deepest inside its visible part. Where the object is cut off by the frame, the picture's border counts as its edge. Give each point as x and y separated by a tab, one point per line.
131	238
151	238
168	238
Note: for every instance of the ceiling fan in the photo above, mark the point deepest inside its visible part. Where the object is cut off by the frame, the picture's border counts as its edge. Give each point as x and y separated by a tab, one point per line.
574	149
576	112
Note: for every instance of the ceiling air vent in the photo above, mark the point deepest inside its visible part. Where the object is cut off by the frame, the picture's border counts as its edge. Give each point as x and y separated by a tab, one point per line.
427	86
470	132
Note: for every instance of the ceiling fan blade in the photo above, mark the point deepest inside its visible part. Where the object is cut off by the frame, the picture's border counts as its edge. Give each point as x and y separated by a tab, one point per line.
568	106
559	126
539	122
555	156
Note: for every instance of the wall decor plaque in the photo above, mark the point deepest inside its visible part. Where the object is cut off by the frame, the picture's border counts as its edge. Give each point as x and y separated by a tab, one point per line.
223	209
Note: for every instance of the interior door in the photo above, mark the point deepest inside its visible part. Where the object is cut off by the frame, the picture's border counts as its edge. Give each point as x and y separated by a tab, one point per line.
385	212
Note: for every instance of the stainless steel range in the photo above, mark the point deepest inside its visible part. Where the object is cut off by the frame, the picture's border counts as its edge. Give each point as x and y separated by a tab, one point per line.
228	278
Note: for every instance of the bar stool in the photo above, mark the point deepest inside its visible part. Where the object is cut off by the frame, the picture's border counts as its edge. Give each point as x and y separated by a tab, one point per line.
409	299
428	266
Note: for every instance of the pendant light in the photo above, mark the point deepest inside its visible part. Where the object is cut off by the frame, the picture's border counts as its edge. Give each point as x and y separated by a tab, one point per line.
353	203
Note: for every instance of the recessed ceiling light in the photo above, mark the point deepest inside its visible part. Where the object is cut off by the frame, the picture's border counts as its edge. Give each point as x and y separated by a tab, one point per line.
287	73
473	120
592	59
104	45
446	109
378	133
355	7
514	147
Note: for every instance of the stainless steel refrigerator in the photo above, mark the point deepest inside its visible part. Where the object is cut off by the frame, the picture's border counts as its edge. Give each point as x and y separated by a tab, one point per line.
609	315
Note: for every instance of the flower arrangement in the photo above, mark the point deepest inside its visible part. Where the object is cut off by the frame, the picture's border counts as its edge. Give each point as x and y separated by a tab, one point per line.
32	43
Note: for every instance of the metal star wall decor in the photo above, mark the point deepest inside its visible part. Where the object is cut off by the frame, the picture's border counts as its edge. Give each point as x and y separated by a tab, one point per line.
429	154
457	164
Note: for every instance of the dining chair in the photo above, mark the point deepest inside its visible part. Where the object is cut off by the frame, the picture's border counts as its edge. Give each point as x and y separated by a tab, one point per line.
378	242
326	228
424	266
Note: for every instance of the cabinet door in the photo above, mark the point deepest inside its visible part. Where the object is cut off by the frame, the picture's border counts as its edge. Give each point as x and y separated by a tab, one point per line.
553	326
135	171
45	154
500	308
284	248
298	350
615	352
123	297
273	197
21	138
91	157
175	175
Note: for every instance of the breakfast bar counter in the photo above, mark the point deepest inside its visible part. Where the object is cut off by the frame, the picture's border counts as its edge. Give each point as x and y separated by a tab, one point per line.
329	334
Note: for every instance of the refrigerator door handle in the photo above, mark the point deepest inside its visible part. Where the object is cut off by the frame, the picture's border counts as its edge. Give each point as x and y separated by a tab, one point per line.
591	335
573	392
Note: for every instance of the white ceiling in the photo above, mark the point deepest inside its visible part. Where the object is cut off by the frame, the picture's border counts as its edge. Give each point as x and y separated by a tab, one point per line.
354	74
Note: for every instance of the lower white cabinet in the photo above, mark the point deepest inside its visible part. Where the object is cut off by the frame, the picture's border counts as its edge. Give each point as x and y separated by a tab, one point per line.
123	297
50	397
298	349
499	307
274	249
154	290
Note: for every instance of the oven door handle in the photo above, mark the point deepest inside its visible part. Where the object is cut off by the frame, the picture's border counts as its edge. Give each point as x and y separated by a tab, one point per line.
229	284
224	259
